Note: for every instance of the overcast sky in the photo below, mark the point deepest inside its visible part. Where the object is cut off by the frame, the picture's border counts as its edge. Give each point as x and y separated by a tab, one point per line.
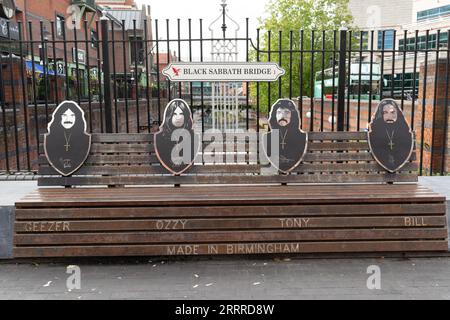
208	10
205	9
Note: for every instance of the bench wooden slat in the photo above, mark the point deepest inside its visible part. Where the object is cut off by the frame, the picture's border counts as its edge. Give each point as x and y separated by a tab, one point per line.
227	236
225	169
335	136
306	223
113	160
316	210
150	170
121	148
230	249
238	196
349	167
321	136
223	179
347	156
122	138
339	146
106	195
100	148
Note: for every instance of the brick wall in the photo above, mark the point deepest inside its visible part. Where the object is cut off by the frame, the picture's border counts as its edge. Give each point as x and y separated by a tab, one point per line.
435	102
12	72
46	11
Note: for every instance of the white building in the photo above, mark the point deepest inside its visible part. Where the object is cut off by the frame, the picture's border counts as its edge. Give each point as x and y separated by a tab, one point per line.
402	21
116	4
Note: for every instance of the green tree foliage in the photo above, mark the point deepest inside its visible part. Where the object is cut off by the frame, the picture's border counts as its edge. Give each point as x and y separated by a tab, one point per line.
286	19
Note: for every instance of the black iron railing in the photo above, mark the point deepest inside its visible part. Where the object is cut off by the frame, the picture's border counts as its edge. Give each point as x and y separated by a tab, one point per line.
336	77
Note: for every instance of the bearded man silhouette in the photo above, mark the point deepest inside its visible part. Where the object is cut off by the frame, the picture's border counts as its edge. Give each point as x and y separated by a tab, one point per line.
292	142
391	140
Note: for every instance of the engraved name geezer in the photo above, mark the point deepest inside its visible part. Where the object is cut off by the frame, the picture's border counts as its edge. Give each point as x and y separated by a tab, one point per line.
48	226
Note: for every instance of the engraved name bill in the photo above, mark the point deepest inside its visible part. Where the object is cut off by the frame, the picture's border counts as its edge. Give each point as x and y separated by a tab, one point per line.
415	222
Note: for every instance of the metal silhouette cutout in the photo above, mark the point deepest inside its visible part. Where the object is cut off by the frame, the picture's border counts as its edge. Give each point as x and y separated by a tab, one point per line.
176	144
391	139
292	141
67	143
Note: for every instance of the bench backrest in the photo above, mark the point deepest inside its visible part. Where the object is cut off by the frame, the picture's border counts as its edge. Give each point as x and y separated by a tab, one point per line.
129	159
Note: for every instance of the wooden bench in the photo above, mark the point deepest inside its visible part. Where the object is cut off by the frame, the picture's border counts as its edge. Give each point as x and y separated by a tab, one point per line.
122	203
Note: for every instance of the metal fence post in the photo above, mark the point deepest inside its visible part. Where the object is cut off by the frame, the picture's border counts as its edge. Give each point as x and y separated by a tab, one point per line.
342	79
106	76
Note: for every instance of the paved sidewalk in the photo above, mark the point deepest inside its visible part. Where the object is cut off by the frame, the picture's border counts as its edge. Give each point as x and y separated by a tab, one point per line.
438	184
235	278
12	191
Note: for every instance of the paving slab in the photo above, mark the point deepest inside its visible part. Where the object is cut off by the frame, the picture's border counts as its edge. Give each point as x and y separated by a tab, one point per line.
438	184
231	279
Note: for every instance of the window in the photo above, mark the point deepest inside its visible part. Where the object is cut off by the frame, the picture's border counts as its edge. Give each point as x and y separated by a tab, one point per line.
365	39
422	42
433	13
79	83
60	20
399	79
388	39
444	40
94	39
137	50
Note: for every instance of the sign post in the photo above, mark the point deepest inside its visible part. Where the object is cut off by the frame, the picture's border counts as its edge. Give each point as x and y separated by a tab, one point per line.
342	80
107	76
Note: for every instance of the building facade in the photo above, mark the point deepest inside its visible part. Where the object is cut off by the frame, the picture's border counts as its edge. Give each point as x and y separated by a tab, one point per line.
61	49
57	64
132	52
400	27
61	57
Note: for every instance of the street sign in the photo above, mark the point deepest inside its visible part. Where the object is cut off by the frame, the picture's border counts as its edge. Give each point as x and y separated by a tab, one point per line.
223	72
7	9
78	54
12	32
60	68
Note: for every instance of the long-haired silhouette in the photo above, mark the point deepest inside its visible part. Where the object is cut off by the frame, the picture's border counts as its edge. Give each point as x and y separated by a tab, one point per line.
67	144
176	144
